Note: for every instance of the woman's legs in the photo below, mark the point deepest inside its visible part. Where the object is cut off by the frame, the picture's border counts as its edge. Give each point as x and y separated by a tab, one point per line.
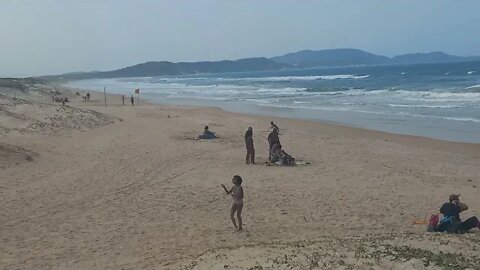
250	158
239	216
232	214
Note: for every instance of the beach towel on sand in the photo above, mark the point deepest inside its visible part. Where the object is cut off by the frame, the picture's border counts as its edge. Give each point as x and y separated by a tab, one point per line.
295	163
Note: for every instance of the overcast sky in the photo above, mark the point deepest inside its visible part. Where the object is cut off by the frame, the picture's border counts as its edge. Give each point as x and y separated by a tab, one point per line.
57	36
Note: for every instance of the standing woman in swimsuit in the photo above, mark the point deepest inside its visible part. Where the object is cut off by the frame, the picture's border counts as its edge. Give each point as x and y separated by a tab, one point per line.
237	195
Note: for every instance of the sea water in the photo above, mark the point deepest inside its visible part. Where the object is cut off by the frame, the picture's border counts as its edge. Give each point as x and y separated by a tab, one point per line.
433	100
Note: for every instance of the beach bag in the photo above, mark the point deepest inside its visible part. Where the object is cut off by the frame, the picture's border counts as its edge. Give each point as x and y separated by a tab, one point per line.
433	223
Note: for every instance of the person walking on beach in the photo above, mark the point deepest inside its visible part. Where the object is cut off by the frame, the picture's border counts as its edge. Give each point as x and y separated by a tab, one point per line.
272	140
237	195
123	99
88	96
249	144
132	99
451	221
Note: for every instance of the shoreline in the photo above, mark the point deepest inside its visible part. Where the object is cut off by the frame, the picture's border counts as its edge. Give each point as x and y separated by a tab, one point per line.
441	128
405	138
131	187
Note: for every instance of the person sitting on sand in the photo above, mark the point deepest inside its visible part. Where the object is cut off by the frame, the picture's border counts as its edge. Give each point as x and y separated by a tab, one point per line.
207	134
272	140
237	195
275	153
281	157
273	127
451	221
249	145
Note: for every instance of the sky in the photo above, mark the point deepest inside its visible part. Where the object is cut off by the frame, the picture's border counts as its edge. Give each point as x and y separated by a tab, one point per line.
40	37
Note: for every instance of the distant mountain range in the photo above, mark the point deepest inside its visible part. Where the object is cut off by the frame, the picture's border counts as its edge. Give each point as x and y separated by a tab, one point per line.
352	57
301	59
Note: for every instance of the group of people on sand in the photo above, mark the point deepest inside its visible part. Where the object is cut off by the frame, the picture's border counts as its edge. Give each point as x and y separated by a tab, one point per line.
276	154
450	222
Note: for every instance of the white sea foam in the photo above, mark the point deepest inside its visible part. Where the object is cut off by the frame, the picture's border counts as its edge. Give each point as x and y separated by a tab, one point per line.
410	95
355	110
471	72
424	106
298	78
302	102
473	86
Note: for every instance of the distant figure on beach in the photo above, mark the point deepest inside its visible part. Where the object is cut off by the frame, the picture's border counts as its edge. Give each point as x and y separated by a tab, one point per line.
451	221
53	98
249	145
237	195
274	127
123	99
207	134
88	96
272	139
132	99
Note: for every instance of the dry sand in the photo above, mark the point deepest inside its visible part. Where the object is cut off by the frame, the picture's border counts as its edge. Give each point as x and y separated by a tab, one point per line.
127	187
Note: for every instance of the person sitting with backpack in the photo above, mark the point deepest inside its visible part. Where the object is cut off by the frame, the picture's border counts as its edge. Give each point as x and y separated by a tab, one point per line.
451	221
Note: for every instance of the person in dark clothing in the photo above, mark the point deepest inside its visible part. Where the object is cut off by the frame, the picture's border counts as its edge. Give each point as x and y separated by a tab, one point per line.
88	96
249	144
132	100
123	99
281	157
451	221
272	140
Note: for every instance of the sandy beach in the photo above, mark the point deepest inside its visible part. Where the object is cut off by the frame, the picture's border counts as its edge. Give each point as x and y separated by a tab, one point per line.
85	186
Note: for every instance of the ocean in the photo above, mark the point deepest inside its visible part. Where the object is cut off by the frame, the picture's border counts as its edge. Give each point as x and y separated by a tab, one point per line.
440	101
